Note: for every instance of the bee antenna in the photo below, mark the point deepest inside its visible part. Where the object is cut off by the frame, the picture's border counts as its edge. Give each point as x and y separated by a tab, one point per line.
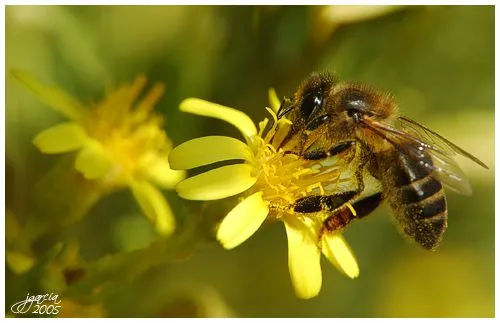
284	110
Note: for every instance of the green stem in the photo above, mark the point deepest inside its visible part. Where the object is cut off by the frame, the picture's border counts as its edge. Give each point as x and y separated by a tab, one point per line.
61	198
103	276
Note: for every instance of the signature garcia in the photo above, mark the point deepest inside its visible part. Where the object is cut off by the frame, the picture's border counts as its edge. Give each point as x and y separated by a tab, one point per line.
37	302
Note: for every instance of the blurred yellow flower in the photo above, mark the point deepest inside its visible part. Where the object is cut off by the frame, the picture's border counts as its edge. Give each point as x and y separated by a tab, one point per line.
118	144
271	182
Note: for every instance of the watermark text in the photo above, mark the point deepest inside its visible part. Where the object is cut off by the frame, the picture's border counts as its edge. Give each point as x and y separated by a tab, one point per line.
42	304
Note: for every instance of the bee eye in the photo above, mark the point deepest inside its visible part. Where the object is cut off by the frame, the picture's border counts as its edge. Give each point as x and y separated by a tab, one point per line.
311	103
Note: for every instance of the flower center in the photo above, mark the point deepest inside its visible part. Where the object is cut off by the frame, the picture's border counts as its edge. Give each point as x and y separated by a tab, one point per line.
131	133
129	145
283	177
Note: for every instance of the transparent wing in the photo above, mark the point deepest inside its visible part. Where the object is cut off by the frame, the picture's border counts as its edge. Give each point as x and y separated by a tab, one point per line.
449	172
419	143
436	140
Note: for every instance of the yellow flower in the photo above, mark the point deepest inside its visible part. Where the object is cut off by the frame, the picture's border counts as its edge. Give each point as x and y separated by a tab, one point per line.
271	182
118	143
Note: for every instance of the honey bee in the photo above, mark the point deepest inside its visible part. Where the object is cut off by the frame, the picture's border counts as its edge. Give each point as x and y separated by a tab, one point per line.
394	158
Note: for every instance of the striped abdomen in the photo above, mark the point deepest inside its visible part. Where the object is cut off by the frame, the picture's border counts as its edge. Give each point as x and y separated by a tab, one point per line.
416	197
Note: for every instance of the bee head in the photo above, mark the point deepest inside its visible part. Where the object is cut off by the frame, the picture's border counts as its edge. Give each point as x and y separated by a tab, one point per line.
306	109
357	102
324	107
355	106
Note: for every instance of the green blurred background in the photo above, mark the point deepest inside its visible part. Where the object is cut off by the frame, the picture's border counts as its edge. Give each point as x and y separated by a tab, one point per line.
437	61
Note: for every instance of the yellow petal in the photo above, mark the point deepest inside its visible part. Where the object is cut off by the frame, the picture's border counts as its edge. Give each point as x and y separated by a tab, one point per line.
274	102
208	150
162	175
18	262
52	96
217	183
148	102
340	255
303	258
242	221
61	138
209	109
92	161
158	170
354	13
154	205
118	103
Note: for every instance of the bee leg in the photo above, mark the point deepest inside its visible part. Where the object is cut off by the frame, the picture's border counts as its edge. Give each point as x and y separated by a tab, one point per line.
360	183
317	203
343	215
333	151
367	205
340	148
315	155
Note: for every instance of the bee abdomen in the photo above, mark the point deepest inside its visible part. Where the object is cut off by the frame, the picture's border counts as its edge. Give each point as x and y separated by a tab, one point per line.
418	200
406	171
427	232
420	189
426	218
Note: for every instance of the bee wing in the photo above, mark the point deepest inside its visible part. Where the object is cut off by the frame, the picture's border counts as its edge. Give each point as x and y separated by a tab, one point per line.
449	172
436	140
413	143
